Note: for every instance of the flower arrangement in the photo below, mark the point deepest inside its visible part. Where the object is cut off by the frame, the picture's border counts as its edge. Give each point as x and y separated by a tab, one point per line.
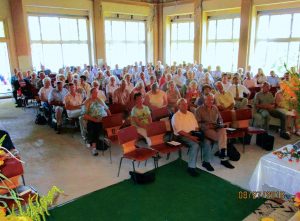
293	153
291	88
36	209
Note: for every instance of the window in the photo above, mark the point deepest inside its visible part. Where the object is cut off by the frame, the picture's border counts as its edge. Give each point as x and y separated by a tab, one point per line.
125	42
58	41
277	42
5	76
182	42
223	43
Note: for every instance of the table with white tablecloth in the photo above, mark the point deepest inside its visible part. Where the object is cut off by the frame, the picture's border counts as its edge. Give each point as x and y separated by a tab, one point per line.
272	172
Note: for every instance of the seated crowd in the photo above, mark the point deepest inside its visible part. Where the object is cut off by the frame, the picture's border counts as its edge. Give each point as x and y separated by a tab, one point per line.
194	96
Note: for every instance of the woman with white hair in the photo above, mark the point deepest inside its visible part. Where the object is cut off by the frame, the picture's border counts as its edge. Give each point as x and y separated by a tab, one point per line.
129	85
45	90
111	87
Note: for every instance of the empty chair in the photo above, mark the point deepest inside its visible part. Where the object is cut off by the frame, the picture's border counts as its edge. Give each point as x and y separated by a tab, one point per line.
127	138
156	132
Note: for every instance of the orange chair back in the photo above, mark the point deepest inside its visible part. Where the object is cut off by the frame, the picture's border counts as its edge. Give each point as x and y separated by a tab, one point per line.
112	124
226	116
156	132
127	138
243	114
160	113
116	108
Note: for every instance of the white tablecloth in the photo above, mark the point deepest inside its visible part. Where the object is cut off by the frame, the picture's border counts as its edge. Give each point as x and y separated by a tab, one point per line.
276	173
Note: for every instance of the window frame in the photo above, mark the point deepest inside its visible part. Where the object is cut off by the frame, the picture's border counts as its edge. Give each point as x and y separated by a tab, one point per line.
191	40
216	40
61	42
126	42
268	40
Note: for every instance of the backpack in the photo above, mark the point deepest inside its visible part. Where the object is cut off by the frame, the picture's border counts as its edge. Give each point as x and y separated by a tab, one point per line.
40	119
233	153
265	141
142	178
101	145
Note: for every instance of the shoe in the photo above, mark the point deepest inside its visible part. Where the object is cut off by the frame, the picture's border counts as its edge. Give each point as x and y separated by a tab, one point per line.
285	135
94	152
227	164
192	172
207	166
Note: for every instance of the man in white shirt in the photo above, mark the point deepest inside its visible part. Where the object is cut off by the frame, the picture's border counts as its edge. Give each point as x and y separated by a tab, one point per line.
237	90
226	84
183	121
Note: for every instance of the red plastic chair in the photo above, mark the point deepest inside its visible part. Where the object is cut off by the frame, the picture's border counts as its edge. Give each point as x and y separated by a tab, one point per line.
111	125
160	113
155	132
127	138
238	133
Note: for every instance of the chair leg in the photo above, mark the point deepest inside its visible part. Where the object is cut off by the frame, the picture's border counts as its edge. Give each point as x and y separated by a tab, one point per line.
23	180
134	175
146	163
139	164
244	144
168	156
110	155
120	166
155	161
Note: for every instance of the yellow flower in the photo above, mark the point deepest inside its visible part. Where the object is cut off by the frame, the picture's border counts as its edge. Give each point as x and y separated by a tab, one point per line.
2	152
18	218
1	162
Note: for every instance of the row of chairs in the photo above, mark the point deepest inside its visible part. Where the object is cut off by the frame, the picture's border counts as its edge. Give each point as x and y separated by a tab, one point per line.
116	128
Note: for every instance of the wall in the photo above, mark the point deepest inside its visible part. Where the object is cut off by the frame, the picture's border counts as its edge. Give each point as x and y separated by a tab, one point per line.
6	16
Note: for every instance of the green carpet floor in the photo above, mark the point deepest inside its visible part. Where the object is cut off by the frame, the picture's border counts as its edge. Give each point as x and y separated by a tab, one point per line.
174	196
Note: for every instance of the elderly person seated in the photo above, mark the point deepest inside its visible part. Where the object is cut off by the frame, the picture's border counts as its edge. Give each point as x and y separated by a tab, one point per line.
100	79
40	81
22	87
225	82
207	80
224	99
273	79
183	123
95	110
141	116
237	90
265	107
156	98
260	77
110	88
45	91
192	94
152	80
249	82
84	85
210	121
101	94
121	95
179	79
206	89
73	102
164	87
56	98
173	96
129	85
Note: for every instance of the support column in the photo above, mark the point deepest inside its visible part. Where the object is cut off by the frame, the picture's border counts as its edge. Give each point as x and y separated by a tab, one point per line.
21	35
197	30
99	31
245	31
158	33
